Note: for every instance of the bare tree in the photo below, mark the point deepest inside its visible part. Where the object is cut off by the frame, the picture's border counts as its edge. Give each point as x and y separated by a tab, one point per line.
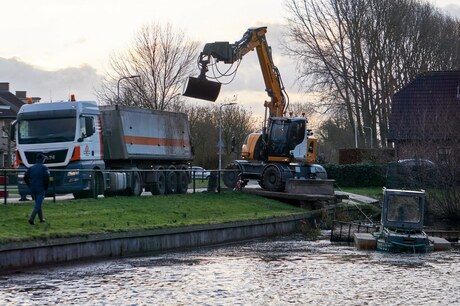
162	58
304	109
204	120
358	53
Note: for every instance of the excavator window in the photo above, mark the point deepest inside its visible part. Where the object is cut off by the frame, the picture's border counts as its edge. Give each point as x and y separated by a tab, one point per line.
285	135
296	133
279	138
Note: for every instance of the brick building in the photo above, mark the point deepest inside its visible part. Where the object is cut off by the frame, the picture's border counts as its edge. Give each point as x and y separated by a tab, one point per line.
425	117
9	106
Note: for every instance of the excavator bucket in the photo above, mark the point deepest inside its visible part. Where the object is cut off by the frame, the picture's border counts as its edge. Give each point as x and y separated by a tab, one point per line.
200	88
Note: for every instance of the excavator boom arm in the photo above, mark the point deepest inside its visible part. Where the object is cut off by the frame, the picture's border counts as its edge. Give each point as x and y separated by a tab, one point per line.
254	38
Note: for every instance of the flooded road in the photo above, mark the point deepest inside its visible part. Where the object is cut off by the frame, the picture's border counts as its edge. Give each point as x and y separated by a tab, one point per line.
287	270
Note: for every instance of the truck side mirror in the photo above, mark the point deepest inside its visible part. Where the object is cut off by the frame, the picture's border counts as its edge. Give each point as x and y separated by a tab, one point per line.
13	130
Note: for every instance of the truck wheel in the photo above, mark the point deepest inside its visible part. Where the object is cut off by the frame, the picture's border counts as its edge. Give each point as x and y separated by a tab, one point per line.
136	184
97	185
79	195
159	187
171	182
271	179
231	175
182	182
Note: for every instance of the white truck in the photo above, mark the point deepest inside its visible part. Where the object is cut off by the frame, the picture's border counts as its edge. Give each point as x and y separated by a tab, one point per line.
110	150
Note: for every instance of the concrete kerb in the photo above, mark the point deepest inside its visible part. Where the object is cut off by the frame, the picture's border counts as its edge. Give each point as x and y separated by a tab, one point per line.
60	250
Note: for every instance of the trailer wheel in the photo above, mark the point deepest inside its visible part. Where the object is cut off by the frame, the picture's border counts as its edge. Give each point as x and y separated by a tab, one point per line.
136	184
159	187
182	182
171	182
271	179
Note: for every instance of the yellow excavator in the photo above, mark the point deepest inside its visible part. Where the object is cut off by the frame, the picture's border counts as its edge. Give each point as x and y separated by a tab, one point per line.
285	149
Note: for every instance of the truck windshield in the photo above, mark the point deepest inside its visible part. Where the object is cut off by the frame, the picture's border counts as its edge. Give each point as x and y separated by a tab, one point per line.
46	130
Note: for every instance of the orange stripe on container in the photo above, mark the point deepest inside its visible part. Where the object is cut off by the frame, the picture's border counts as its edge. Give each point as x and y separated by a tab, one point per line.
152	141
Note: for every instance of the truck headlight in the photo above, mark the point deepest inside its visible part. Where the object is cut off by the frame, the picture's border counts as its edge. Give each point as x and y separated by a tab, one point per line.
21	178
73	173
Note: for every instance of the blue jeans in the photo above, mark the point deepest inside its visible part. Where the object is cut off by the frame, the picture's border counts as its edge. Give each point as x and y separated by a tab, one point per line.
38	197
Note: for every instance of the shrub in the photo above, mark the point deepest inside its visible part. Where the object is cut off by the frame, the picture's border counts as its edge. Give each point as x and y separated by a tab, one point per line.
357	175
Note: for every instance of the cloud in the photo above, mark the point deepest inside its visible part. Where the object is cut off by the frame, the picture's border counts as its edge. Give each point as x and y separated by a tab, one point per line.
452	10
50	85
76	42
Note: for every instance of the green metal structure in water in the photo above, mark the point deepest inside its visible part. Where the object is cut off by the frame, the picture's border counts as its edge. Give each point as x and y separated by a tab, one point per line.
402	222
401	228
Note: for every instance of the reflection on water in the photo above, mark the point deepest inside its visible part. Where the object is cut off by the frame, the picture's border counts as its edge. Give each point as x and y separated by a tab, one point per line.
288	270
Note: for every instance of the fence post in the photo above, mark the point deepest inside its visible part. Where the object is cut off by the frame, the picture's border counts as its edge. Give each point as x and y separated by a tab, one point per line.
193	175
5	192
332	230
54	188
218	182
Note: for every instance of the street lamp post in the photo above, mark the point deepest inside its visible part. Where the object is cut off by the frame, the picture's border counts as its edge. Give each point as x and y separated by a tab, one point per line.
368	127
356	135
220	139
124	78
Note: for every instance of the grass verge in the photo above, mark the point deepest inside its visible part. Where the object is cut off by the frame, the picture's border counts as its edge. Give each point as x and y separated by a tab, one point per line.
119	214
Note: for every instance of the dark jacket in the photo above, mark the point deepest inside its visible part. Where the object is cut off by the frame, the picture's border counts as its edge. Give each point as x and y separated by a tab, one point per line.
37	177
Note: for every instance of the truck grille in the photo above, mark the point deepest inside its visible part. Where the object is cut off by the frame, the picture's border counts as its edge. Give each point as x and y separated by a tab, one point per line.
52	157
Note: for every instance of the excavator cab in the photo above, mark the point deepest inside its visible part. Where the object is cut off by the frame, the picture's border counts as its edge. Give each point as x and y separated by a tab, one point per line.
283	136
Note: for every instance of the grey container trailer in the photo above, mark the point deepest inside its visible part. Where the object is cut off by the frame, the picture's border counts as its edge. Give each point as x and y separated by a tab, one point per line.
144	134
155	144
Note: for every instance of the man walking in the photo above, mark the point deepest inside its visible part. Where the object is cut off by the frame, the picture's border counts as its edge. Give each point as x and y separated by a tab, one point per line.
37	178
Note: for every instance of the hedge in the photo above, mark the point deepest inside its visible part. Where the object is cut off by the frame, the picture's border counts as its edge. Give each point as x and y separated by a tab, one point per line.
390	175
357	175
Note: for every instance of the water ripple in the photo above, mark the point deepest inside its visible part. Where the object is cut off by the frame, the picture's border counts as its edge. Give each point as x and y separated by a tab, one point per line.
285	271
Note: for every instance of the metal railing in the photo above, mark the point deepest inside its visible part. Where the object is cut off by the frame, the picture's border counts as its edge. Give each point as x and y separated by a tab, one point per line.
9	186
343	231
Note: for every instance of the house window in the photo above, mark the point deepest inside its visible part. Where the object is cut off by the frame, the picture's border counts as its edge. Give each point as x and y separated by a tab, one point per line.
3	127
5	160
444	155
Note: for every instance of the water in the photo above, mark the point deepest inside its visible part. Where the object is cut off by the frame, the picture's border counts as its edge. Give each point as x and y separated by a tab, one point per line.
287	270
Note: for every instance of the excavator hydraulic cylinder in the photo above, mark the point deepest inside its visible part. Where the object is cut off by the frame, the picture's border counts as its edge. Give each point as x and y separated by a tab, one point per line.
201	88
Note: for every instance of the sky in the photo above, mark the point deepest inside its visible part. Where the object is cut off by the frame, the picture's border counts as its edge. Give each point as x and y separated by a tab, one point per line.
54	48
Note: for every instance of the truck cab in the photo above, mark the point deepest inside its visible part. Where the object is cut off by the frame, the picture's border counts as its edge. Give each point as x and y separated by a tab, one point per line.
67	134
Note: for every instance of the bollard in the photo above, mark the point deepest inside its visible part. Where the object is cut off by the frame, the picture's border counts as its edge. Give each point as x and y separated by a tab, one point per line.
4	182
212	182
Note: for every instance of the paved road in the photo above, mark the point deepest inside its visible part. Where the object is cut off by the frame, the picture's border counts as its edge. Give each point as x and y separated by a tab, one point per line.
251	184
